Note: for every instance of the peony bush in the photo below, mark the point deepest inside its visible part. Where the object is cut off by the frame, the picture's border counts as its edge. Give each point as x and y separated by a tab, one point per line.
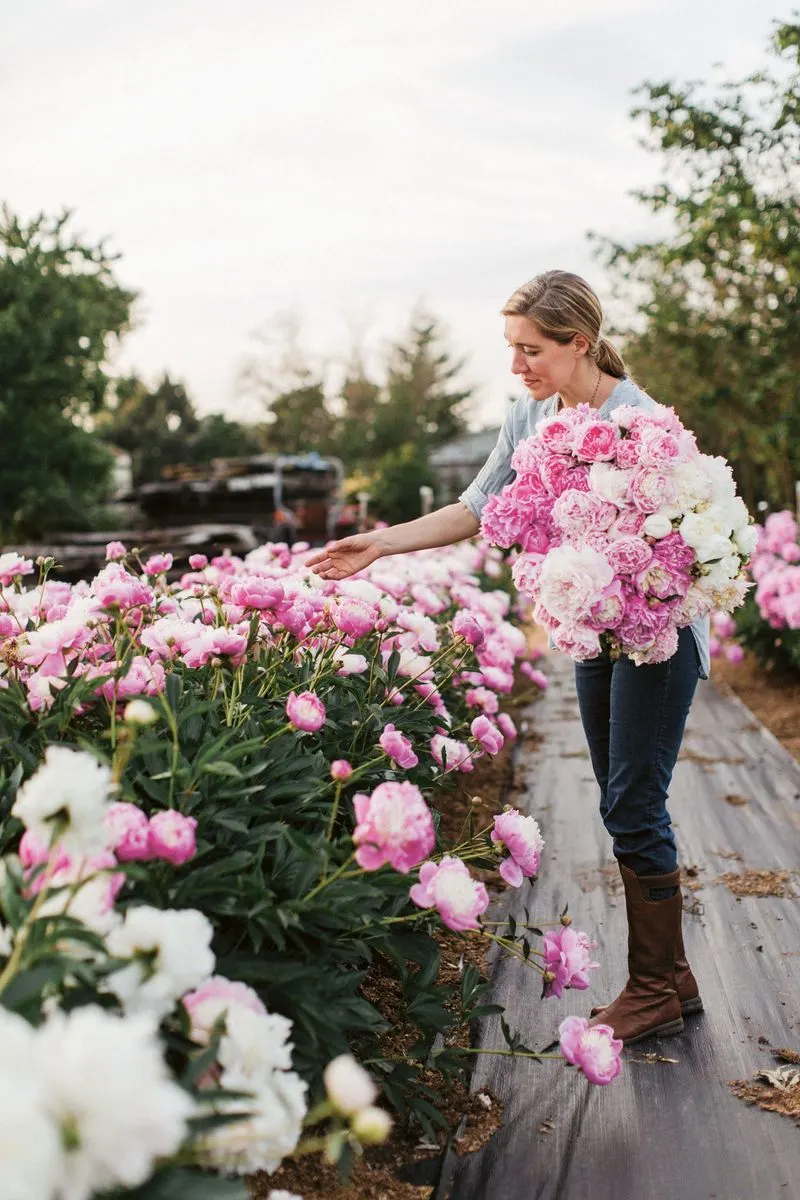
769	624
219	805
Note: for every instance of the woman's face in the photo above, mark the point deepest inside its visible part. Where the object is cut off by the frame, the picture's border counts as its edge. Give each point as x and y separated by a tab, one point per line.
544	366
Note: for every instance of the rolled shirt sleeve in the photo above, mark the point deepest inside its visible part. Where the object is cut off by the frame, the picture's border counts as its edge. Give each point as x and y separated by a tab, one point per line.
496	472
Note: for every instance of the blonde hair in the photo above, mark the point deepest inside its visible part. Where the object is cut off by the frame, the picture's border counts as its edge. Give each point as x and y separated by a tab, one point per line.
563	304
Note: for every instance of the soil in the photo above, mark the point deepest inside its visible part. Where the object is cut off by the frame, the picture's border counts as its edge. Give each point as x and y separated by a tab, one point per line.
774	699
785	1101
475	1116
758	883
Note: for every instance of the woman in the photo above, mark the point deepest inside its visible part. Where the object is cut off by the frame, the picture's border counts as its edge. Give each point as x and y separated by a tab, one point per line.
633	717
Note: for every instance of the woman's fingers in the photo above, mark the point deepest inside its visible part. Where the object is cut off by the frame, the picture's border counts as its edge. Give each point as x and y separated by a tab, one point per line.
317	557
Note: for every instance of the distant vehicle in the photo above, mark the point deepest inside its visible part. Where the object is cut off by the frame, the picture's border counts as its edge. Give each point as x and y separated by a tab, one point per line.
233	504
282	498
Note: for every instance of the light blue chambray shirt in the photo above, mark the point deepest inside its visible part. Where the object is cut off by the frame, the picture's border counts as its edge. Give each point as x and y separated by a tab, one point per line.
520	423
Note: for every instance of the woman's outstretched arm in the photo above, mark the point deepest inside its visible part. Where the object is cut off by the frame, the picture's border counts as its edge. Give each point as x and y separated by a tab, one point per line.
441	528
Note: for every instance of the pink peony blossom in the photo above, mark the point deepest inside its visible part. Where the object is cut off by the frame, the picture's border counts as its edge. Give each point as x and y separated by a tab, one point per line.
592	1049
451	754
198	562
487	735
129	832
566	956
394	825
353	617
734	653
115	551
466	626
207	1003
12	566
341	770
305	711
628	554
723	624
535	675
595	441
554	434
255	592
398	747
507	727
580	513
482	698
521	837
158	564
172	836
449	887
651	489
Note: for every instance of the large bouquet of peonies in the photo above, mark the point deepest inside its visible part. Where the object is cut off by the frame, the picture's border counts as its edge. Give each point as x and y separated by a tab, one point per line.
626	531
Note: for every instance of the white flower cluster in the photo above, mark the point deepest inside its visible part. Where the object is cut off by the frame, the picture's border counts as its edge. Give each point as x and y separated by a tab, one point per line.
255	1057
169	952
86	1105
69	792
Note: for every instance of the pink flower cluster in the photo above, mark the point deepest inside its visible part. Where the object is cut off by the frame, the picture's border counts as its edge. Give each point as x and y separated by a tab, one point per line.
449	887
394	825
593	1049
722	642
168	835
775	567
567	960
518	836
626	532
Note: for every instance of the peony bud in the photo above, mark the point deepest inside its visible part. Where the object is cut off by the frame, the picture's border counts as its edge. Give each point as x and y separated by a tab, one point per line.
139	712
341	770
371	1125
348	1085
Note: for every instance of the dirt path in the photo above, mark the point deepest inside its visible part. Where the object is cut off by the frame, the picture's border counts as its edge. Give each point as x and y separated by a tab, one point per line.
664	1128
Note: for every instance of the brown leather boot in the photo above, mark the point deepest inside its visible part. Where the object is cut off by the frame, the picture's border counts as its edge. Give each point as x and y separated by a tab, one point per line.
648	1005
685	985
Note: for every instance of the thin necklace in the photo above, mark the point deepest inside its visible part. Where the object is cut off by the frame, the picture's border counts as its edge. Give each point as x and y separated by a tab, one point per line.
594	393
596	387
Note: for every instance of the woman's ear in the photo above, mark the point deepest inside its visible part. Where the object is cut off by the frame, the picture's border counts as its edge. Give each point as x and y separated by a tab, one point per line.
580	345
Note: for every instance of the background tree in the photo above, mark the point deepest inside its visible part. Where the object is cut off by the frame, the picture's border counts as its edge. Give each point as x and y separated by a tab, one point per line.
717	333
159	427
61	309
421	402
394	490
290	387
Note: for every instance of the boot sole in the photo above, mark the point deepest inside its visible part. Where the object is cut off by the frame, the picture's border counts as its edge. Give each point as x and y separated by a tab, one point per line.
666	1030
688	1008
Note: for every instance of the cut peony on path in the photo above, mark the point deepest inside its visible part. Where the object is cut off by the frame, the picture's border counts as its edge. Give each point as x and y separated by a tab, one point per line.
562	1136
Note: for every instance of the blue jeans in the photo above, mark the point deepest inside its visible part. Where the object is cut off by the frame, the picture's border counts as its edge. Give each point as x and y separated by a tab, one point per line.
634	718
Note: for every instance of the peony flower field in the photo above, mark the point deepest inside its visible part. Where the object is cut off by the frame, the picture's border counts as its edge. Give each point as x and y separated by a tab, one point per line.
222	796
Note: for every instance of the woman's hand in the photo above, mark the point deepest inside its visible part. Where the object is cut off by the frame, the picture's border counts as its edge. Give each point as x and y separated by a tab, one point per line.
340	559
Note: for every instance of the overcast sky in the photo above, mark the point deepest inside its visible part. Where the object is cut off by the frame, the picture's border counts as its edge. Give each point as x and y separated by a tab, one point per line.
342	159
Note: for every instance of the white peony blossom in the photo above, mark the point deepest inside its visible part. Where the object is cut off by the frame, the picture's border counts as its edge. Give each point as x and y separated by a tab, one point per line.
350	1088
609	482
70	789
270	1128
30	1144
171	953
255	1044
657	525
282	1194
692	485
746	539
719	472
108	1091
